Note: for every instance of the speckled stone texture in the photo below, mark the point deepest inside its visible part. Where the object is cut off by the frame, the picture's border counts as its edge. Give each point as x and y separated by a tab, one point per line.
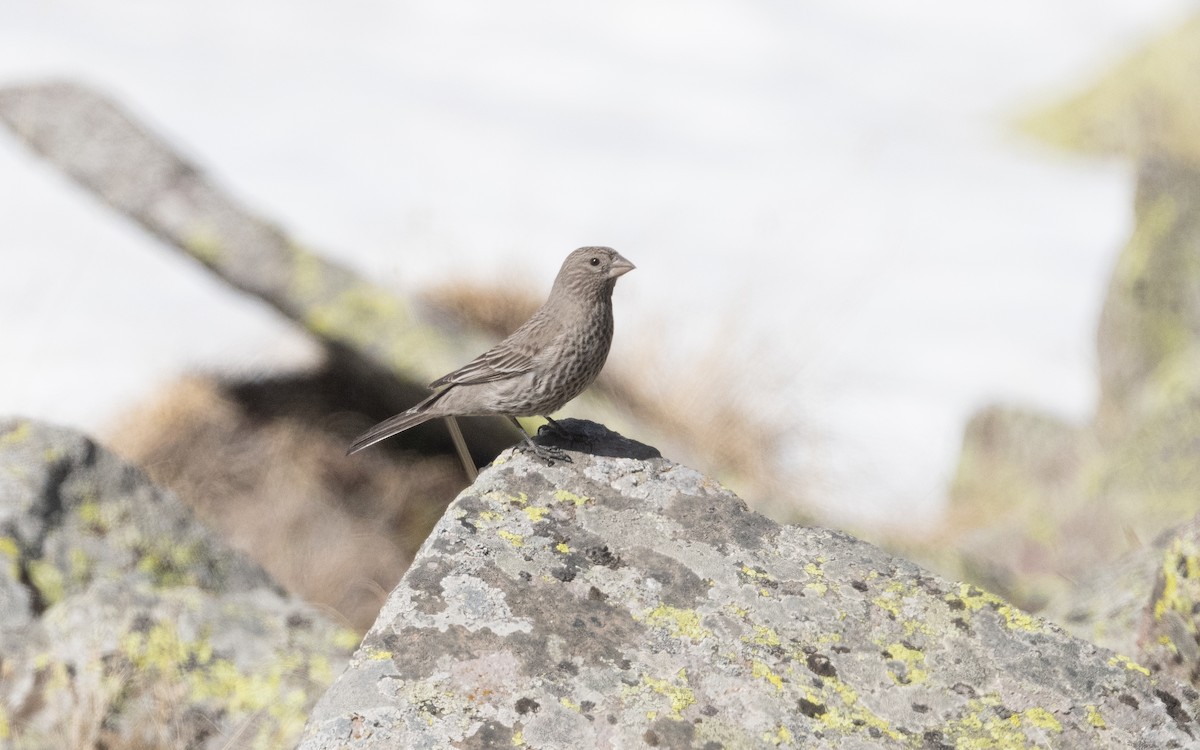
125	623
631	602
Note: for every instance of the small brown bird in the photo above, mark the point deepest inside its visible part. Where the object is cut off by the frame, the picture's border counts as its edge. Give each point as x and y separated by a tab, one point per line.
544	364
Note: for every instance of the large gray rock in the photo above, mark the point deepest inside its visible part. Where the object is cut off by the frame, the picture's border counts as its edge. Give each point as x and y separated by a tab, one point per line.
125	623
632	602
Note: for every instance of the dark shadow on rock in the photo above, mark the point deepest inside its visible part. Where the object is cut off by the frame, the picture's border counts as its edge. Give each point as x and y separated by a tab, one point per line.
583	436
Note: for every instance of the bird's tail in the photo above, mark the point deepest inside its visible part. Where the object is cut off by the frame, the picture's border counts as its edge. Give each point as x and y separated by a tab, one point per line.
394	425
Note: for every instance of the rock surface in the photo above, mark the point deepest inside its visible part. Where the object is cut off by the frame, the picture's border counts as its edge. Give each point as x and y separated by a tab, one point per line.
124	623
624	600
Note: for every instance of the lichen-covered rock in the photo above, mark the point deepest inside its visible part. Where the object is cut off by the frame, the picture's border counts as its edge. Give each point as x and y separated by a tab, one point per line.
1016	467
1132	471
1144	106
125	623
1169	635
632	602
1151	314
1053	504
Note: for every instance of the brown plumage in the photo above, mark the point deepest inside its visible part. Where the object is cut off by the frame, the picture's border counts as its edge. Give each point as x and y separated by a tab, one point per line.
544	364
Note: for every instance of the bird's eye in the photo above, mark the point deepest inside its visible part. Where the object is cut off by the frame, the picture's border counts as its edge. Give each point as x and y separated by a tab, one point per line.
595	261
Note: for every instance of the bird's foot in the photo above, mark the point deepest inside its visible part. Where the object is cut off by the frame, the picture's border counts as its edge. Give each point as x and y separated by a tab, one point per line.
547	453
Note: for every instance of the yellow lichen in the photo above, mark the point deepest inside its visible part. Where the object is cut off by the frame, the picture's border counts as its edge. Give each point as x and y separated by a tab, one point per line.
914	672
514	539
536	513
778	737
1093	716
825	638
1040	718
91	512
739	611
18	434
306	273
760	671
563	548
570	704
162	652
680	623
1180	559
10	551
1121	660
891	600
81	565
841	710
203	243
319	670
362	313
346	639
563	496
170	564
975	599
983	728
47	579
756	575
763	636
680	696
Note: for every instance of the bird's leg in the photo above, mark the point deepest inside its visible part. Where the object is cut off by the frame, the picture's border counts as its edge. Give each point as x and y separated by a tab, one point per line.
547	453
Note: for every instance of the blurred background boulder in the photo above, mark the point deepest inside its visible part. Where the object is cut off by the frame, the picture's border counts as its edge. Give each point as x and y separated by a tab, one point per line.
1080	519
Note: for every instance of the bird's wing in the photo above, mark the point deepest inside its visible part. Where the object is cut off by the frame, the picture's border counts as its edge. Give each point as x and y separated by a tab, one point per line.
511	357
494	364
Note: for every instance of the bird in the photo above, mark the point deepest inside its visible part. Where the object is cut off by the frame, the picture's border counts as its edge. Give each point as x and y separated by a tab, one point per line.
542	365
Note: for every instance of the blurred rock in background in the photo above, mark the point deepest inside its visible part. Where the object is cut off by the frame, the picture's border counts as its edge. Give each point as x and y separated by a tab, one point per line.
1079	519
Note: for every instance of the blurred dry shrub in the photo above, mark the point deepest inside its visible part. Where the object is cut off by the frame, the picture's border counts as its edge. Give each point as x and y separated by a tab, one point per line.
264	463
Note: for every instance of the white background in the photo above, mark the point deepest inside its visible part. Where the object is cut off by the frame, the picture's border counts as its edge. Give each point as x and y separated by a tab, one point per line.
836	187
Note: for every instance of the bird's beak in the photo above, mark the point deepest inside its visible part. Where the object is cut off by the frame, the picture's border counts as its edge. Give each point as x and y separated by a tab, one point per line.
620	266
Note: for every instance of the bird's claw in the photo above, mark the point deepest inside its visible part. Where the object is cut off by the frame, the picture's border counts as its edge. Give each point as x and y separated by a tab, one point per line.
548	453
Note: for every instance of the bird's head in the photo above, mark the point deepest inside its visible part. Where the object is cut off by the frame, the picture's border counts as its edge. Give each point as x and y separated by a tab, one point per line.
592	269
